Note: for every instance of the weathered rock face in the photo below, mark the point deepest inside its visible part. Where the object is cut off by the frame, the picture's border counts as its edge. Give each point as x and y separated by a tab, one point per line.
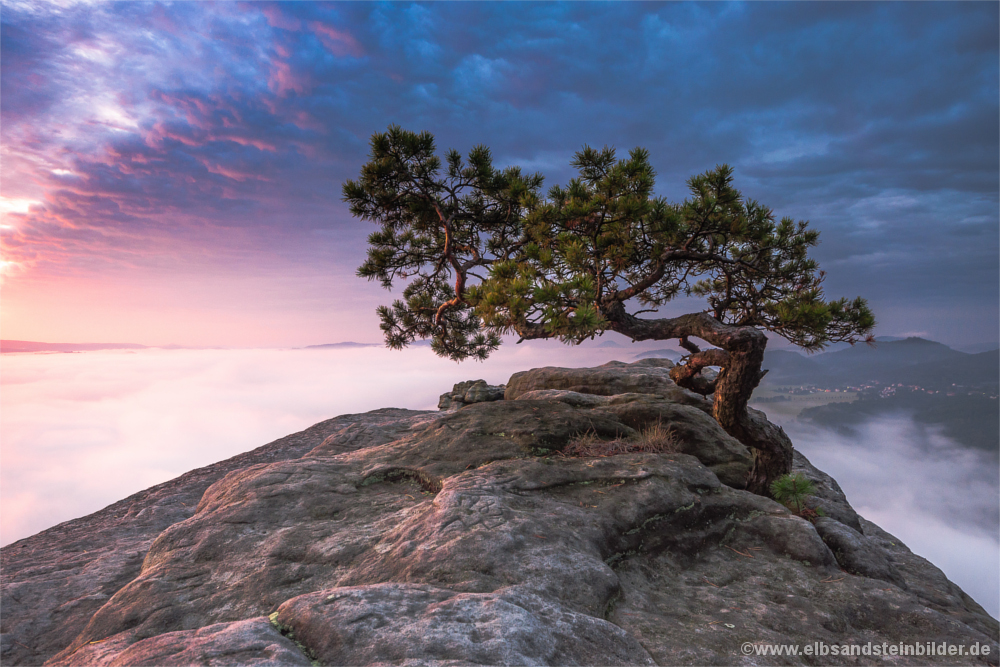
401	537
255	641
647	376
471	391
695	432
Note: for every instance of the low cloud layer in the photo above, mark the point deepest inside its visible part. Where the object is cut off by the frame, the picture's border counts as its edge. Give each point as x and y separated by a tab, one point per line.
939	498
81	431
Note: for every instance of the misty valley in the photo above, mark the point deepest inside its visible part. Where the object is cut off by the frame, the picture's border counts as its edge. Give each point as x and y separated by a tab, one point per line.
936	386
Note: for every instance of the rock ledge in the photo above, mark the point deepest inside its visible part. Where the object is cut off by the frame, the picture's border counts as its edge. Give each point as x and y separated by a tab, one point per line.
466	537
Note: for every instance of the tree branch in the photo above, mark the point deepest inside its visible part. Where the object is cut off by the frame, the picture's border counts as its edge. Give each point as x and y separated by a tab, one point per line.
689	375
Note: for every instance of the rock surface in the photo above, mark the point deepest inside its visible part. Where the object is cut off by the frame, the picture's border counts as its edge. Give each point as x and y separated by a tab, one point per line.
464	537
647	376
694	431
471	391
855	553
255	641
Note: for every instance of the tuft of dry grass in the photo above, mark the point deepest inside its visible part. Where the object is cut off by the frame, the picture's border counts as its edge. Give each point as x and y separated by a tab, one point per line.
655	439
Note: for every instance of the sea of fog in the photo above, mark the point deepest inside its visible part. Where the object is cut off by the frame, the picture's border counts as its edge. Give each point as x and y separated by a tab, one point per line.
80	431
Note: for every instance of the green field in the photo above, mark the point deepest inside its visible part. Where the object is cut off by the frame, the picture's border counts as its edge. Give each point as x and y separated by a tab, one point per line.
790	409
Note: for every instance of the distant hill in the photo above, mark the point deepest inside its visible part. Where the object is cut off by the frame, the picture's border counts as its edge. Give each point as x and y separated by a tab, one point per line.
786	367
673	355
967	370
906	351
836	347
340	345
976	348
33	346
910	361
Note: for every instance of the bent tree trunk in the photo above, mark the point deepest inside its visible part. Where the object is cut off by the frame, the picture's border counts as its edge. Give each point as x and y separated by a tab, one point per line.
740	359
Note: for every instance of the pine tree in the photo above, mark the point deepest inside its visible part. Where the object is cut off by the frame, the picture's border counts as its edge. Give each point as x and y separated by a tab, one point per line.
484	253
792	491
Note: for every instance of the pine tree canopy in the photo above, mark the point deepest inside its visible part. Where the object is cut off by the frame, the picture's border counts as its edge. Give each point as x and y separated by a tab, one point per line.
483	252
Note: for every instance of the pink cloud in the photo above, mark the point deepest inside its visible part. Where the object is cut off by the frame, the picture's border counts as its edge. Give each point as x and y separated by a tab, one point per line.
228	172
308	150
160	131
259	144
337	42
202	113
283	79
306	121
133	158
278	19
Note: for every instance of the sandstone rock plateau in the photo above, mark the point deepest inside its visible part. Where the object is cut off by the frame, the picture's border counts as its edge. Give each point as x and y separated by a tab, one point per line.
399	537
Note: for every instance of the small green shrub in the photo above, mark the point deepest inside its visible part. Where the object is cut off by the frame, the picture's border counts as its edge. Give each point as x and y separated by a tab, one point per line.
792	491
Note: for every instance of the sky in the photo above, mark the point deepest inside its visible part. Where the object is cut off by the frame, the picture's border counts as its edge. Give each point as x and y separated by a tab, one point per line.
171	172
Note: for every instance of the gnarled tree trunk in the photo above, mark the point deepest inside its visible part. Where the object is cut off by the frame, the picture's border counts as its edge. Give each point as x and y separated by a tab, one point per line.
740	359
